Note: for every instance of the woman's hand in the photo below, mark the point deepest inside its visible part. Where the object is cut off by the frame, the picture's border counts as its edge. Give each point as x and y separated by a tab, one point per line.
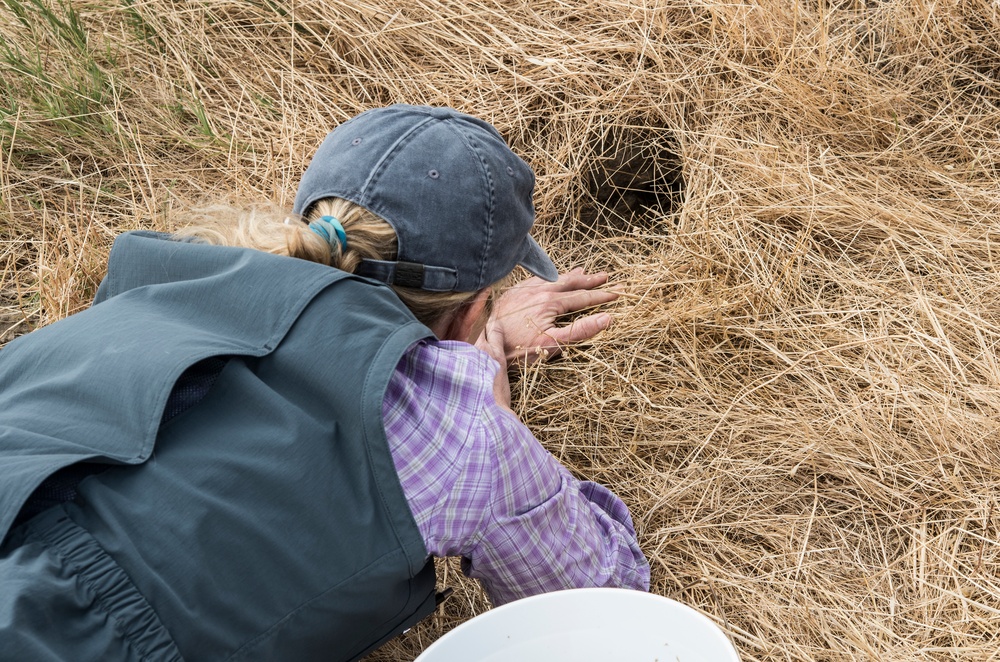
523	322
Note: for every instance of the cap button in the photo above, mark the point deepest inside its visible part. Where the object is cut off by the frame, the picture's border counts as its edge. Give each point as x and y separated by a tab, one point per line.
441	113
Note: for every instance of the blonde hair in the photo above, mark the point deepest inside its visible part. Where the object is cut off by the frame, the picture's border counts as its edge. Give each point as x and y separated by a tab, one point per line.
268	229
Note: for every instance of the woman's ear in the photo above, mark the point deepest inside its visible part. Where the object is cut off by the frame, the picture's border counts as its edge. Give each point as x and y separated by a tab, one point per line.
469	320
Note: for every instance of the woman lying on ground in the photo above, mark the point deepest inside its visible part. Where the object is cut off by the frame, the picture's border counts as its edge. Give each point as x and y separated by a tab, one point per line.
239	452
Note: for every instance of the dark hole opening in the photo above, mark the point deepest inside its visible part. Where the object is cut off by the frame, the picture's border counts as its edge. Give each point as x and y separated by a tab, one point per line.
634	181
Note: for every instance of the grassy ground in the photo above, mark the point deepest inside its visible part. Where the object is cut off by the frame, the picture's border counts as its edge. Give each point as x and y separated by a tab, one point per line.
800	397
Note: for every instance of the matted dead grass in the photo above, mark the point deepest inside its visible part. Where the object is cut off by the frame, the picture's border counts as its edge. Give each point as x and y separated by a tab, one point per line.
800	397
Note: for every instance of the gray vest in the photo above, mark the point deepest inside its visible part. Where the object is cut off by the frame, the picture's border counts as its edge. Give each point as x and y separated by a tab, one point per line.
267	521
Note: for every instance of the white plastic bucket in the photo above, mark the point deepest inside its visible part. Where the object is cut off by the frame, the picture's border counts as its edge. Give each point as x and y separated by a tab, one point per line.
586	625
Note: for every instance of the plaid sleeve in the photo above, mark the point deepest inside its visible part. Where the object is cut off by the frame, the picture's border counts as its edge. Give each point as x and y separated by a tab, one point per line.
547	530
481	486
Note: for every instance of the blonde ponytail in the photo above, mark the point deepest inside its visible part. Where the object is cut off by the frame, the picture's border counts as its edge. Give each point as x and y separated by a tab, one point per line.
269	229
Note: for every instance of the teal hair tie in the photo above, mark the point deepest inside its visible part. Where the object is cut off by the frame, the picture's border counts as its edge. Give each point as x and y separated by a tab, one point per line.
323	226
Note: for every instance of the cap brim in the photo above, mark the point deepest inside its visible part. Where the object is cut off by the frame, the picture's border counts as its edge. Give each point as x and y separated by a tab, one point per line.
537	262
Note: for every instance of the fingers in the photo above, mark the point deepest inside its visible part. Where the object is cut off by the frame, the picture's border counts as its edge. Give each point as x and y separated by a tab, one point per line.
582	299
578	285
578	279
581	329
543	310
527	313
549	344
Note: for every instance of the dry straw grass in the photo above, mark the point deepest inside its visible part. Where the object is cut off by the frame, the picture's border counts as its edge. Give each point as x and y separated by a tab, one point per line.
801	394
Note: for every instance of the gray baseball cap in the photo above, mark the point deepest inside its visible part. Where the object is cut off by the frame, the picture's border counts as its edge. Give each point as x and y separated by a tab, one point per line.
458	198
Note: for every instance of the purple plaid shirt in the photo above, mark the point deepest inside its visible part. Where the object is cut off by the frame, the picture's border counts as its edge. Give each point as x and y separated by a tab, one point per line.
481	486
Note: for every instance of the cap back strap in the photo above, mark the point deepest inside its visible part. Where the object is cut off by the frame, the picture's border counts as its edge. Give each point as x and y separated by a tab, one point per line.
410	274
